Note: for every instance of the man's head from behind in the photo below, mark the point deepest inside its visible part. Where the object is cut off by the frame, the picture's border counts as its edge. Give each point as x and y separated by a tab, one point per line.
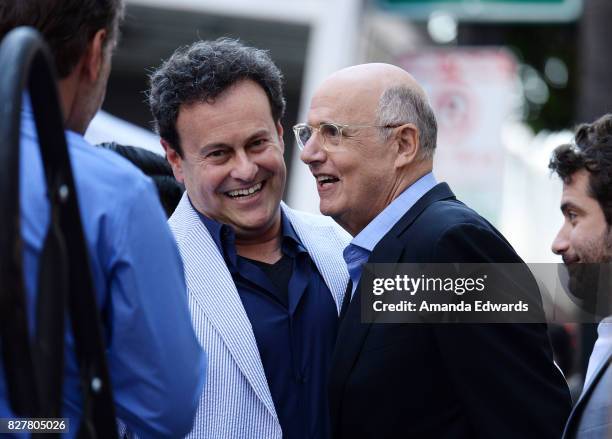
585	237
217	107
81	35
370	134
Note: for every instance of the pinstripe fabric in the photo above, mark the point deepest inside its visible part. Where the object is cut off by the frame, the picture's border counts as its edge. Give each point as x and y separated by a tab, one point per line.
324	241
236	401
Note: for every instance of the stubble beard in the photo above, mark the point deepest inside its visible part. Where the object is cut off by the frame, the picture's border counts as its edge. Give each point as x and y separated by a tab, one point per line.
590	280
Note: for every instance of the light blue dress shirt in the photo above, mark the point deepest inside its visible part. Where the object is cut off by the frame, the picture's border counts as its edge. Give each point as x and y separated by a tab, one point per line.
601	349
358	251
156	365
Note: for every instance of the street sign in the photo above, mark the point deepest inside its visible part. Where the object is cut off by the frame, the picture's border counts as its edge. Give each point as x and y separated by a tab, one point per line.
488	10
473	93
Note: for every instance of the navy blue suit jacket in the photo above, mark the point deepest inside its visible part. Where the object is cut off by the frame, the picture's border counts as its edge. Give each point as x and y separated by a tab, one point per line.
444	380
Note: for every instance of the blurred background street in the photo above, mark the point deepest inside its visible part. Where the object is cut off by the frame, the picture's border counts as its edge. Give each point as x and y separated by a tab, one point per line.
508	79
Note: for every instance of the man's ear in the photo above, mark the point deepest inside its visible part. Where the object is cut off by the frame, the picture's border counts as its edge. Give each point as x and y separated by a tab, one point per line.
94	56
408	146
175	161
279	131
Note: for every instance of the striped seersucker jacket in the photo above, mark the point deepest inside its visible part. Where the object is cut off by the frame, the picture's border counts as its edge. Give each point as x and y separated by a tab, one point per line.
236	401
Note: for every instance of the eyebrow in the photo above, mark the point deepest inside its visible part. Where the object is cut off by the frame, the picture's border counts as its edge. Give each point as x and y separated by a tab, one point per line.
209	146
321	122
258	133
567	205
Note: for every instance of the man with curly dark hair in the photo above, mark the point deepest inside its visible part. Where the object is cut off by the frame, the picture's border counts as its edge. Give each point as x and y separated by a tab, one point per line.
585	243
265	282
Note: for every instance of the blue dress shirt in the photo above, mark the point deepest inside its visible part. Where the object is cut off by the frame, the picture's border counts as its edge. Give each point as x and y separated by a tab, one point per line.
295	332
601	349
358	251
155	363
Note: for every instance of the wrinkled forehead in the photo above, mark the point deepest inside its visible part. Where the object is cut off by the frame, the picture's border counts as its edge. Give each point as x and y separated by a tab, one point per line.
346	101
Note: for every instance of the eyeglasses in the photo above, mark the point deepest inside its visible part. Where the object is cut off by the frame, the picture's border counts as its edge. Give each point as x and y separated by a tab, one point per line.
331	132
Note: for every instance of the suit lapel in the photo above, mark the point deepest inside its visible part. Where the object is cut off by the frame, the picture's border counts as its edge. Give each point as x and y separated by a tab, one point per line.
439	192
324	244
352	333
212	288
346	300
586	393
597	372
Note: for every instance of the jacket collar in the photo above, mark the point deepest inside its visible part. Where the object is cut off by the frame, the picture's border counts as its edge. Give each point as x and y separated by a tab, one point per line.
352	333
213	291
585	395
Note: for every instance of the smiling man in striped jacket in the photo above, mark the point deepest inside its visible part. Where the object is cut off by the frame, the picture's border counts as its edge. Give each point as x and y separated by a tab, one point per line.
265	282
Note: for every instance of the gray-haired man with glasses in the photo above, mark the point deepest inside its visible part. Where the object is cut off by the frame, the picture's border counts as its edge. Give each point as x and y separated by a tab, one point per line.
369	142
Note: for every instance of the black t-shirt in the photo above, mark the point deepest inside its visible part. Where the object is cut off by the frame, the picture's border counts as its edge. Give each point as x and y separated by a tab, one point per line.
279	274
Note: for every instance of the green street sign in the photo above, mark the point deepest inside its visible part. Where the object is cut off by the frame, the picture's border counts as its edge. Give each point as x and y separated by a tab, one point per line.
488	10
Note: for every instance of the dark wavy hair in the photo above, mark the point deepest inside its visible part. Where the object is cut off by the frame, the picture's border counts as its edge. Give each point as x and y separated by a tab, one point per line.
592	151
66	25
203	71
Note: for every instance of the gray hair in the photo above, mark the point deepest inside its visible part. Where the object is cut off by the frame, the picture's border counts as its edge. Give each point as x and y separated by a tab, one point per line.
400	104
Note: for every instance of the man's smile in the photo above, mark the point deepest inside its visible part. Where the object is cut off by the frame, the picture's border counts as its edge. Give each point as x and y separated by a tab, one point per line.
245	192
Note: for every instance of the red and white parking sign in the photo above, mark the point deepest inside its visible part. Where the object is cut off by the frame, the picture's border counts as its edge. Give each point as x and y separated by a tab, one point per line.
473	93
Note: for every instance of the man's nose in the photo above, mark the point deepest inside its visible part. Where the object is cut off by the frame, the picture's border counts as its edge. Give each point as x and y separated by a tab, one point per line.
245	168
561	242
313	151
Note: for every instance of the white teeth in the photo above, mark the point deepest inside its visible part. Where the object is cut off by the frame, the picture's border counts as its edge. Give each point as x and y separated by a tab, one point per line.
245	192
325	178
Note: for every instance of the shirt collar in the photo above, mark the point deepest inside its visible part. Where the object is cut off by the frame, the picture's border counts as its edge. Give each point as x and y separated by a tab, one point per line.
385	220
27	120
218	231
224	237
604	329
291	241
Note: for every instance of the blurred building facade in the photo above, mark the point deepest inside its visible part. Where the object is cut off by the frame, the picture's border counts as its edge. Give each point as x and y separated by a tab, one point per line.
309	39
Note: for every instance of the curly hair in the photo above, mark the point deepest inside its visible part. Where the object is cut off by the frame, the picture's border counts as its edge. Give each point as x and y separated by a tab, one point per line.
66	25
591	151
201	72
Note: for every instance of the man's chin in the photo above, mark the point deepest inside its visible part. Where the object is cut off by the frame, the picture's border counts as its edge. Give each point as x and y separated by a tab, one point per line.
328	209
253	223
589	284
582	279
